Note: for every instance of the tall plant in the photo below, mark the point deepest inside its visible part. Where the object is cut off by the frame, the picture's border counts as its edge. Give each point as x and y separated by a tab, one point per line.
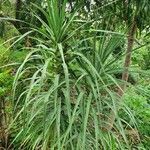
64	89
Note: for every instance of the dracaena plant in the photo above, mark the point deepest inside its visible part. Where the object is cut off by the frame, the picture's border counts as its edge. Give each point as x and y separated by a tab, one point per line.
63	90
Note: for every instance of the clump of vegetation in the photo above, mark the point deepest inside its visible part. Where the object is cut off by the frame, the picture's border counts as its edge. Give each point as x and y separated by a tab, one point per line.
140	107
68	77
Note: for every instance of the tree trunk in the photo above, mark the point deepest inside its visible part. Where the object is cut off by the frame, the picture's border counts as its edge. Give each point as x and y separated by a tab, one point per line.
127	62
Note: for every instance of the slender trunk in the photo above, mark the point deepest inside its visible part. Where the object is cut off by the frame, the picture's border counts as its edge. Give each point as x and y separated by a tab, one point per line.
125	74
127	62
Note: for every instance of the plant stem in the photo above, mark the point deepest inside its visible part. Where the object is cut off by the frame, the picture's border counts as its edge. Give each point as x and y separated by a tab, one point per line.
125	74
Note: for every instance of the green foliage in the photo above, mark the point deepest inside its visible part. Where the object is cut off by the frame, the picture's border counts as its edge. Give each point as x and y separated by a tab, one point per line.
6	80
64	88
2	28
4	53
142	56
66	97
140	107
18	55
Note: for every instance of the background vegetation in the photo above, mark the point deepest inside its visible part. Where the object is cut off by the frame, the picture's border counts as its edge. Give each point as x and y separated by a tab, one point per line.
74	75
